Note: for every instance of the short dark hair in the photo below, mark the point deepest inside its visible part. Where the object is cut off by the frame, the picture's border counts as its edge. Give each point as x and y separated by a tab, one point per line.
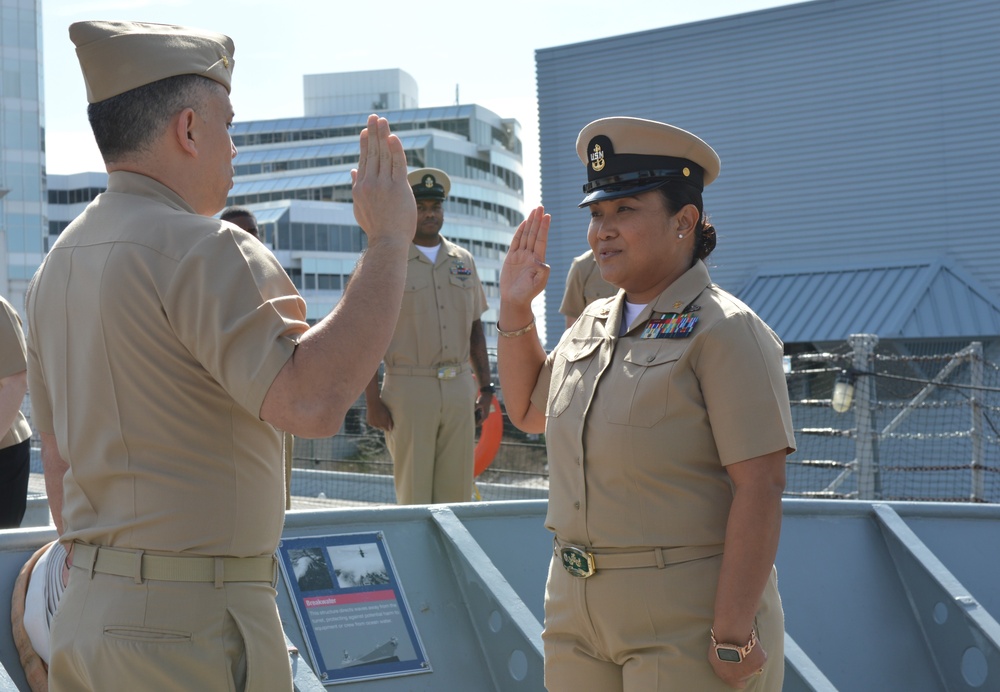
234	211
678	195
128	123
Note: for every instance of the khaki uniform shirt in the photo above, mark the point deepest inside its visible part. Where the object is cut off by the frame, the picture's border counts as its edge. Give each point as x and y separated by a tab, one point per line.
639	431
584	285
154	335
12	361
440	303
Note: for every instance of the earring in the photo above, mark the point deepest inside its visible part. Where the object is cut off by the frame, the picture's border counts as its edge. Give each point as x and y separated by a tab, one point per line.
680	235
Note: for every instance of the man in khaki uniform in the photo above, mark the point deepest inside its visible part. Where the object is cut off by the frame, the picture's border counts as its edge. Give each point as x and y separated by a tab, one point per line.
584	285
429	404
15	434
167	352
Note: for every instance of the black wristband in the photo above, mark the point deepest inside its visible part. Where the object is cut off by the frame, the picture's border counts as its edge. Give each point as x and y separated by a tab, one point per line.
488	388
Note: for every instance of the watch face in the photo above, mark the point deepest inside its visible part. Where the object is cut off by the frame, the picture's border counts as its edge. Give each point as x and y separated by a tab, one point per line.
728	655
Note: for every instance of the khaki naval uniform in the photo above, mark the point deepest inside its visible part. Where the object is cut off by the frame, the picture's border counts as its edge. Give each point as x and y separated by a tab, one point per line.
15	454
154	335
428	387
584	285
639	433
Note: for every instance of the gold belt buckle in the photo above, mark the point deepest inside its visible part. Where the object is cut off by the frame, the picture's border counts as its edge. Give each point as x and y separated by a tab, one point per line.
577	562
449	372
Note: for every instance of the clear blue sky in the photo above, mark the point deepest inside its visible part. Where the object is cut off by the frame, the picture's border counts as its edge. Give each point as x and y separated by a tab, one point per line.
486	49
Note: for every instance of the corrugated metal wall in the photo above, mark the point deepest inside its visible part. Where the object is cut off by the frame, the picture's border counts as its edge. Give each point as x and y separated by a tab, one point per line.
848	129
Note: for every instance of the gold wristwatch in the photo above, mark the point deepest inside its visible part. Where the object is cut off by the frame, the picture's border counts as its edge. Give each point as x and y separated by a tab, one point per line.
734	653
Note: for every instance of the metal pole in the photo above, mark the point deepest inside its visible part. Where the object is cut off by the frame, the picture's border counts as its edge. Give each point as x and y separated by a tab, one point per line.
978	447
866	444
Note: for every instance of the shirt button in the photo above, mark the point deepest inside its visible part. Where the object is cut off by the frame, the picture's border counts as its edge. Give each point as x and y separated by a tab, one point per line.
649	359
577	505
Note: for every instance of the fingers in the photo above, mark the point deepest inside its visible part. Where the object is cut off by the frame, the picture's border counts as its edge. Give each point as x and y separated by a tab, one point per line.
398	157
384	154
371	145
542	234
527	234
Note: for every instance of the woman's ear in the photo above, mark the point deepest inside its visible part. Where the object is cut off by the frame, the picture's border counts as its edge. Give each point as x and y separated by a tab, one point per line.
687	219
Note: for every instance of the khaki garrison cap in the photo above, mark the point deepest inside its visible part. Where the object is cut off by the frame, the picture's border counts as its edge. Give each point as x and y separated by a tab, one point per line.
429	183
120	56
627	156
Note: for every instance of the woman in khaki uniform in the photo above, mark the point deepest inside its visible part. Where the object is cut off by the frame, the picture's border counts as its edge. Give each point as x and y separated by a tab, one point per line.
667	422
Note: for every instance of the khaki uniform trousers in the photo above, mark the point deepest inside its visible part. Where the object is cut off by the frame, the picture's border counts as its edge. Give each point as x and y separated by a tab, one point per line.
432	441
111	633
646	630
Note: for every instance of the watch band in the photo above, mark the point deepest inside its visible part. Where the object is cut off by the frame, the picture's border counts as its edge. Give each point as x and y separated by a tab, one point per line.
733	653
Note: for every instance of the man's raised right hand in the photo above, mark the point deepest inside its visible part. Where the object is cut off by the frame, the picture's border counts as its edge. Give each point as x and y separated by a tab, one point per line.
383	200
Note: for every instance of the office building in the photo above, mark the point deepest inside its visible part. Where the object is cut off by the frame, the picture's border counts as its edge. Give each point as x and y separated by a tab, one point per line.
859	158
22	147
295	174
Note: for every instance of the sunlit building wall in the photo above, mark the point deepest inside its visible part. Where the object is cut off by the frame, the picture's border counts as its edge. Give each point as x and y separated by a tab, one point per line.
22	147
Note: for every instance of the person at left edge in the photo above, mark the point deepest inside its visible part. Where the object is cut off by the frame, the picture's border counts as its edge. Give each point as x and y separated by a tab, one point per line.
166	352
428	405
15	433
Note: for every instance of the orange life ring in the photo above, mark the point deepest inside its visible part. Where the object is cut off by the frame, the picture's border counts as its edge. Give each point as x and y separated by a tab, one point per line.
489	438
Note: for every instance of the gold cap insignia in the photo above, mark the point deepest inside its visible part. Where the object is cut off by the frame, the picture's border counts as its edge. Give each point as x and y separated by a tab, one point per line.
597	158
428	180
225	60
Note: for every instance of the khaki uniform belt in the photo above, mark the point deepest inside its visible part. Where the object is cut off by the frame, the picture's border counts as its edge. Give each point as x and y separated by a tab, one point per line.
140	566
442	372
656	557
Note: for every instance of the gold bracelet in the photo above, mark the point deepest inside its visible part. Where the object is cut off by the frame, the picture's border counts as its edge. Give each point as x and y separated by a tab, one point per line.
519	332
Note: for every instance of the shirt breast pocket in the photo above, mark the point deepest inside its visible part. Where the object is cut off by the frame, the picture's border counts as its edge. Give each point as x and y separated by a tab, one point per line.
638	393
461	281
570	374
416	295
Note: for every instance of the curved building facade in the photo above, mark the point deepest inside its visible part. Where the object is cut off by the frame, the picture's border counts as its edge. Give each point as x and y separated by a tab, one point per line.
295	174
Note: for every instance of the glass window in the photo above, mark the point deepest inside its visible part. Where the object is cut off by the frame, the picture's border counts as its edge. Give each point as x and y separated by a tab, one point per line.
11	84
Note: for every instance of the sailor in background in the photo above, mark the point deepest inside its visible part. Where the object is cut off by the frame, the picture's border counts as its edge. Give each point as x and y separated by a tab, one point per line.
584	285
429	403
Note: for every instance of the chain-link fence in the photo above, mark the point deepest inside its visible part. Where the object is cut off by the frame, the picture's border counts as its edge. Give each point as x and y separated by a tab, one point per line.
918	426
884	422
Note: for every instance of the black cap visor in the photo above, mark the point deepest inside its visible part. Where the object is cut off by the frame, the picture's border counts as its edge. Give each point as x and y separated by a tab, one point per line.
622	190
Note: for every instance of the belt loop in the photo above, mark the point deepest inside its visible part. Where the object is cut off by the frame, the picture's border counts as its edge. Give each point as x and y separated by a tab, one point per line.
137	566
220	572
91	555
274	571
659	558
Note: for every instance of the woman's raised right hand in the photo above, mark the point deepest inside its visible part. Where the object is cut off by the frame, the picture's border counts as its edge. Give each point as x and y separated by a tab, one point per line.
524	273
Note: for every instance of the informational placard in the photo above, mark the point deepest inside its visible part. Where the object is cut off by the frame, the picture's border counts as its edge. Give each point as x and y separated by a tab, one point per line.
351	607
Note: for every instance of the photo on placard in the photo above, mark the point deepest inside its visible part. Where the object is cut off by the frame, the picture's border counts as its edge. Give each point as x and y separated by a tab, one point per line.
358	565
311	571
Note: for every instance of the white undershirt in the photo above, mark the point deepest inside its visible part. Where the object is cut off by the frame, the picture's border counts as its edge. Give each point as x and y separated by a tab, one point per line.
632	311
430	253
